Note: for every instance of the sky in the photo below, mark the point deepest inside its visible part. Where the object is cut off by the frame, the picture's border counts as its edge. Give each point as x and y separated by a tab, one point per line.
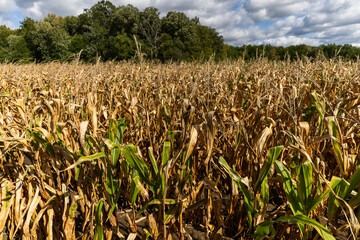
275	22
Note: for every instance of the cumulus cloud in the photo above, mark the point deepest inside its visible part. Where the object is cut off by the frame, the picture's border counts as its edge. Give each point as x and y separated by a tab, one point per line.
7	21
6	6
285	22
39	8
24	3
291	40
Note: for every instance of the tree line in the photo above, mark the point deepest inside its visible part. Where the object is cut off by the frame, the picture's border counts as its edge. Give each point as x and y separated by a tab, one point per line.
124	32
248	52
111	32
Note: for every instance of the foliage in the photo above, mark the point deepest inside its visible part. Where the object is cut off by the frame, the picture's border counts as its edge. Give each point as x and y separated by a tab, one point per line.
49	39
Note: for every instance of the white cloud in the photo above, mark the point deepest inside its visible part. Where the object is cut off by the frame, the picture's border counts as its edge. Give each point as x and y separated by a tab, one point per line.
7	22
290	40
6	7
263	10
239	21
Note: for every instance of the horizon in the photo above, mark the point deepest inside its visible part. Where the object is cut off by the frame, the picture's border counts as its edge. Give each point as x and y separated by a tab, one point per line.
251	22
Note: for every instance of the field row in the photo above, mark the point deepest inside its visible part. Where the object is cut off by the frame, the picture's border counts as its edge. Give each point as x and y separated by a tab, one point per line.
239	150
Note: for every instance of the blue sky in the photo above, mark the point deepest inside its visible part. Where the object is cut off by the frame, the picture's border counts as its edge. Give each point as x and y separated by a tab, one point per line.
276	22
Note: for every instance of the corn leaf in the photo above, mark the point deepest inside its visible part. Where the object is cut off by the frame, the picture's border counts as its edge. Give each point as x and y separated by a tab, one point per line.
354	181
154	166
166	153
238	180
265	228
335	133
116	132
99	230
273	155
334	182
304	184
85	159
290	187
130	153
46	144
333	203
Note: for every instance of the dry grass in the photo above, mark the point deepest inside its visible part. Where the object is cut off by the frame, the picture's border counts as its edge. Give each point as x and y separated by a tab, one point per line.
52	115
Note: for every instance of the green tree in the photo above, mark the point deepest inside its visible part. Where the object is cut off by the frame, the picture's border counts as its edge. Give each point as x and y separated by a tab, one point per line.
210	42
150	29
5	32
123	46
48	39
72	25
17	49
78	43
27	28
97	22
125	20
101	13
184	35
169	49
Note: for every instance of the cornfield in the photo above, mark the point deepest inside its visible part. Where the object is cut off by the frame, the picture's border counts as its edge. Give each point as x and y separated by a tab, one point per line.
233	150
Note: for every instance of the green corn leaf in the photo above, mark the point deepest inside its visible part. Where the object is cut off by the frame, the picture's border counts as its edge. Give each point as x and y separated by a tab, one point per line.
99	232
117	132
319	105
166	153
147	234
163	185
238	180
114	201
156	202
140	186
273	155
154	169
334	182
172	135
5	94
354	181
49	148
109	183
37	122
195	205
334	132
355	201
265	228
111	144
339	190
133	191
77	171
304	220
7	194
120	129
113	206
170	213
304	184
264	194
92	143
112	129
289	187
73	208
130	153
98	210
